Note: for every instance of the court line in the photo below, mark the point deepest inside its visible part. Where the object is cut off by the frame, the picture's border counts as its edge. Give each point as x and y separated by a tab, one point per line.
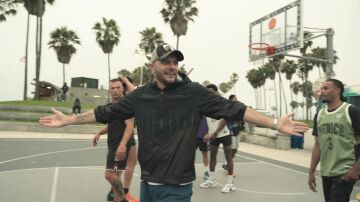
78	167
290	169
267	193
54	185
48	153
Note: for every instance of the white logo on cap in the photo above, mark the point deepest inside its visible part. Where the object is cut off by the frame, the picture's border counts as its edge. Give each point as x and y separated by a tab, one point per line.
167	47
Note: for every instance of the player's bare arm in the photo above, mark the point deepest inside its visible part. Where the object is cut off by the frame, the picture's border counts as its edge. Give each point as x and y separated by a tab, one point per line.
60	120
221	126
129	128
284	124
315	158
97	136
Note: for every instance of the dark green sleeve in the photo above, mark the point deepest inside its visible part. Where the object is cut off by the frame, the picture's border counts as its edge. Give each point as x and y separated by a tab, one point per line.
354	113
217	107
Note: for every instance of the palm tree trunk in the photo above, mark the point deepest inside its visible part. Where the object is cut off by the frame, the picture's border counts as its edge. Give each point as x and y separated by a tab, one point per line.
109	76
291	93
319	71
26	57
177	42
264	91
256	98
63	73
285	101
306	97
260	97
38	56
280	95
276	102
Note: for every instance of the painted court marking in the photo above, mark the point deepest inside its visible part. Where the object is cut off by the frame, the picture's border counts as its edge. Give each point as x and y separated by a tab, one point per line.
48	153
54	185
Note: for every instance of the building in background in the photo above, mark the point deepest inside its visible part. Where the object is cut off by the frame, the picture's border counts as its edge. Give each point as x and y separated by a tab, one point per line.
86	89
352	93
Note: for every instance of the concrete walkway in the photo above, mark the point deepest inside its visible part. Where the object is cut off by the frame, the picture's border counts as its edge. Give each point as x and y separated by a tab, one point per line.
300	157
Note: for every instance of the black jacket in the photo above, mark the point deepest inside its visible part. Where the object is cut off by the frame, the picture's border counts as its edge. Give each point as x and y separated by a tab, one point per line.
168	123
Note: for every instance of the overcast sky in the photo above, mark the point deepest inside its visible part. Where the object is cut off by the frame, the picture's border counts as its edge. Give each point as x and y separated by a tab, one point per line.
215	44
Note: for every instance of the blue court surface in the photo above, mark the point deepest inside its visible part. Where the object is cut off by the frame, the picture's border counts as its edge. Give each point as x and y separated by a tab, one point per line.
69	170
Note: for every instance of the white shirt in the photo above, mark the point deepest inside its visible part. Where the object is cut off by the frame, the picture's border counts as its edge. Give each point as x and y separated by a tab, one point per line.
213	124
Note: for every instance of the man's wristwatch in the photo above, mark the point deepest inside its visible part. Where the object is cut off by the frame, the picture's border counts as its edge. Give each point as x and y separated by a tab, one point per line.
274	125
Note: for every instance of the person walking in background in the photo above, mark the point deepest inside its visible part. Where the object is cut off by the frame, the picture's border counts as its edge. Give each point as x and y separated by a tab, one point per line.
337	134
128	85
167	112
234	127
119	142
131	158
76	109
219	134
203	145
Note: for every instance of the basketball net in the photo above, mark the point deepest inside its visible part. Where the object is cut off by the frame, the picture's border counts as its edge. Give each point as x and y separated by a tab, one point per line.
259	62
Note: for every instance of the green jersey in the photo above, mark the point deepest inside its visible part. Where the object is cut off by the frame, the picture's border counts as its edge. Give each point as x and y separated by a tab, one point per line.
336	139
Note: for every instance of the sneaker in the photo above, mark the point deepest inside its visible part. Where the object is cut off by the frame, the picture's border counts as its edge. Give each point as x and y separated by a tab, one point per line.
224	166
208	184
206	175
131	198
110	196
228	188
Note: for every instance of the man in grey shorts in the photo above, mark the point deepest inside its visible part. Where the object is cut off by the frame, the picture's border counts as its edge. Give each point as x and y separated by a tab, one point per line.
234	128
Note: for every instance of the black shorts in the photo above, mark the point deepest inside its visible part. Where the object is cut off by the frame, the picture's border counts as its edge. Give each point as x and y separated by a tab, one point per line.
336	189
116	165
226	141
203	146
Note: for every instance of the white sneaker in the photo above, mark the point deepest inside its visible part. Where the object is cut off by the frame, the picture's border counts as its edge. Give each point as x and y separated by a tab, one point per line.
208	184
228	188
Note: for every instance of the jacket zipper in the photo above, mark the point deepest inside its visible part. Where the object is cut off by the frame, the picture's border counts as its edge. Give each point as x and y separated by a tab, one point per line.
162	104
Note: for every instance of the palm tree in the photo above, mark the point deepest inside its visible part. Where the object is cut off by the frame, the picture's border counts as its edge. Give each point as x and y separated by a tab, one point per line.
289	69
233	80
107	35
124	72
7	7
269	73
141	74
256	78
178	13
225	87
205	83
150	39
62	40
37	8
295	88
321	54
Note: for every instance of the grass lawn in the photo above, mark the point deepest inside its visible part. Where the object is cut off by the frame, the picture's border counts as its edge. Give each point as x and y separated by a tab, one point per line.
310	123
45	103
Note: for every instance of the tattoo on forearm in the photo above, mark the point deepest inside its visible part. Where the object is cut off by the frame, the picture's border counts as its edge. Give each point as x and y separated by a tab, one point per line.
82	117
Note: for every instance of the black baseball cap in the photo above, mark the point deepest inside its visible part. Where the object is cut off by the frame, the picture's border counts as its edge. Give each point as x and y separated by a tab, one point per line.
163	51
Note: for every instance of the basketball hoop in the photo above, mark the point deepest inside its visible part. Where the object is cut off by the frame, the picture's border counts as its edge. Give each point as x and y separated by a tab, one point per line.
261	50
263	47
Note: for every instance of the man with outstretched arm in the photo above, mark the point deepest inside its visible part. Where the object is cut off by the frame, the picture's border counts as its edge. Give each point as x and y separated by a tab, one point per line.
167	112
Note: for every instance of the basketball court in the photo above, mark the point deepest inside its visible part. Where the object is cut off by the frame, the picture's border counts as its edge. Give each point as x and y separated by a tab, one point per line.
65	170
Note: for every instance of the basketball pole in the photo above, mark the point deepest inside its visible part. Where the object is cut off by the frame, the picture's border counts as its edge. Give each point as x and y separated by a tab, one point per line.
329	53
